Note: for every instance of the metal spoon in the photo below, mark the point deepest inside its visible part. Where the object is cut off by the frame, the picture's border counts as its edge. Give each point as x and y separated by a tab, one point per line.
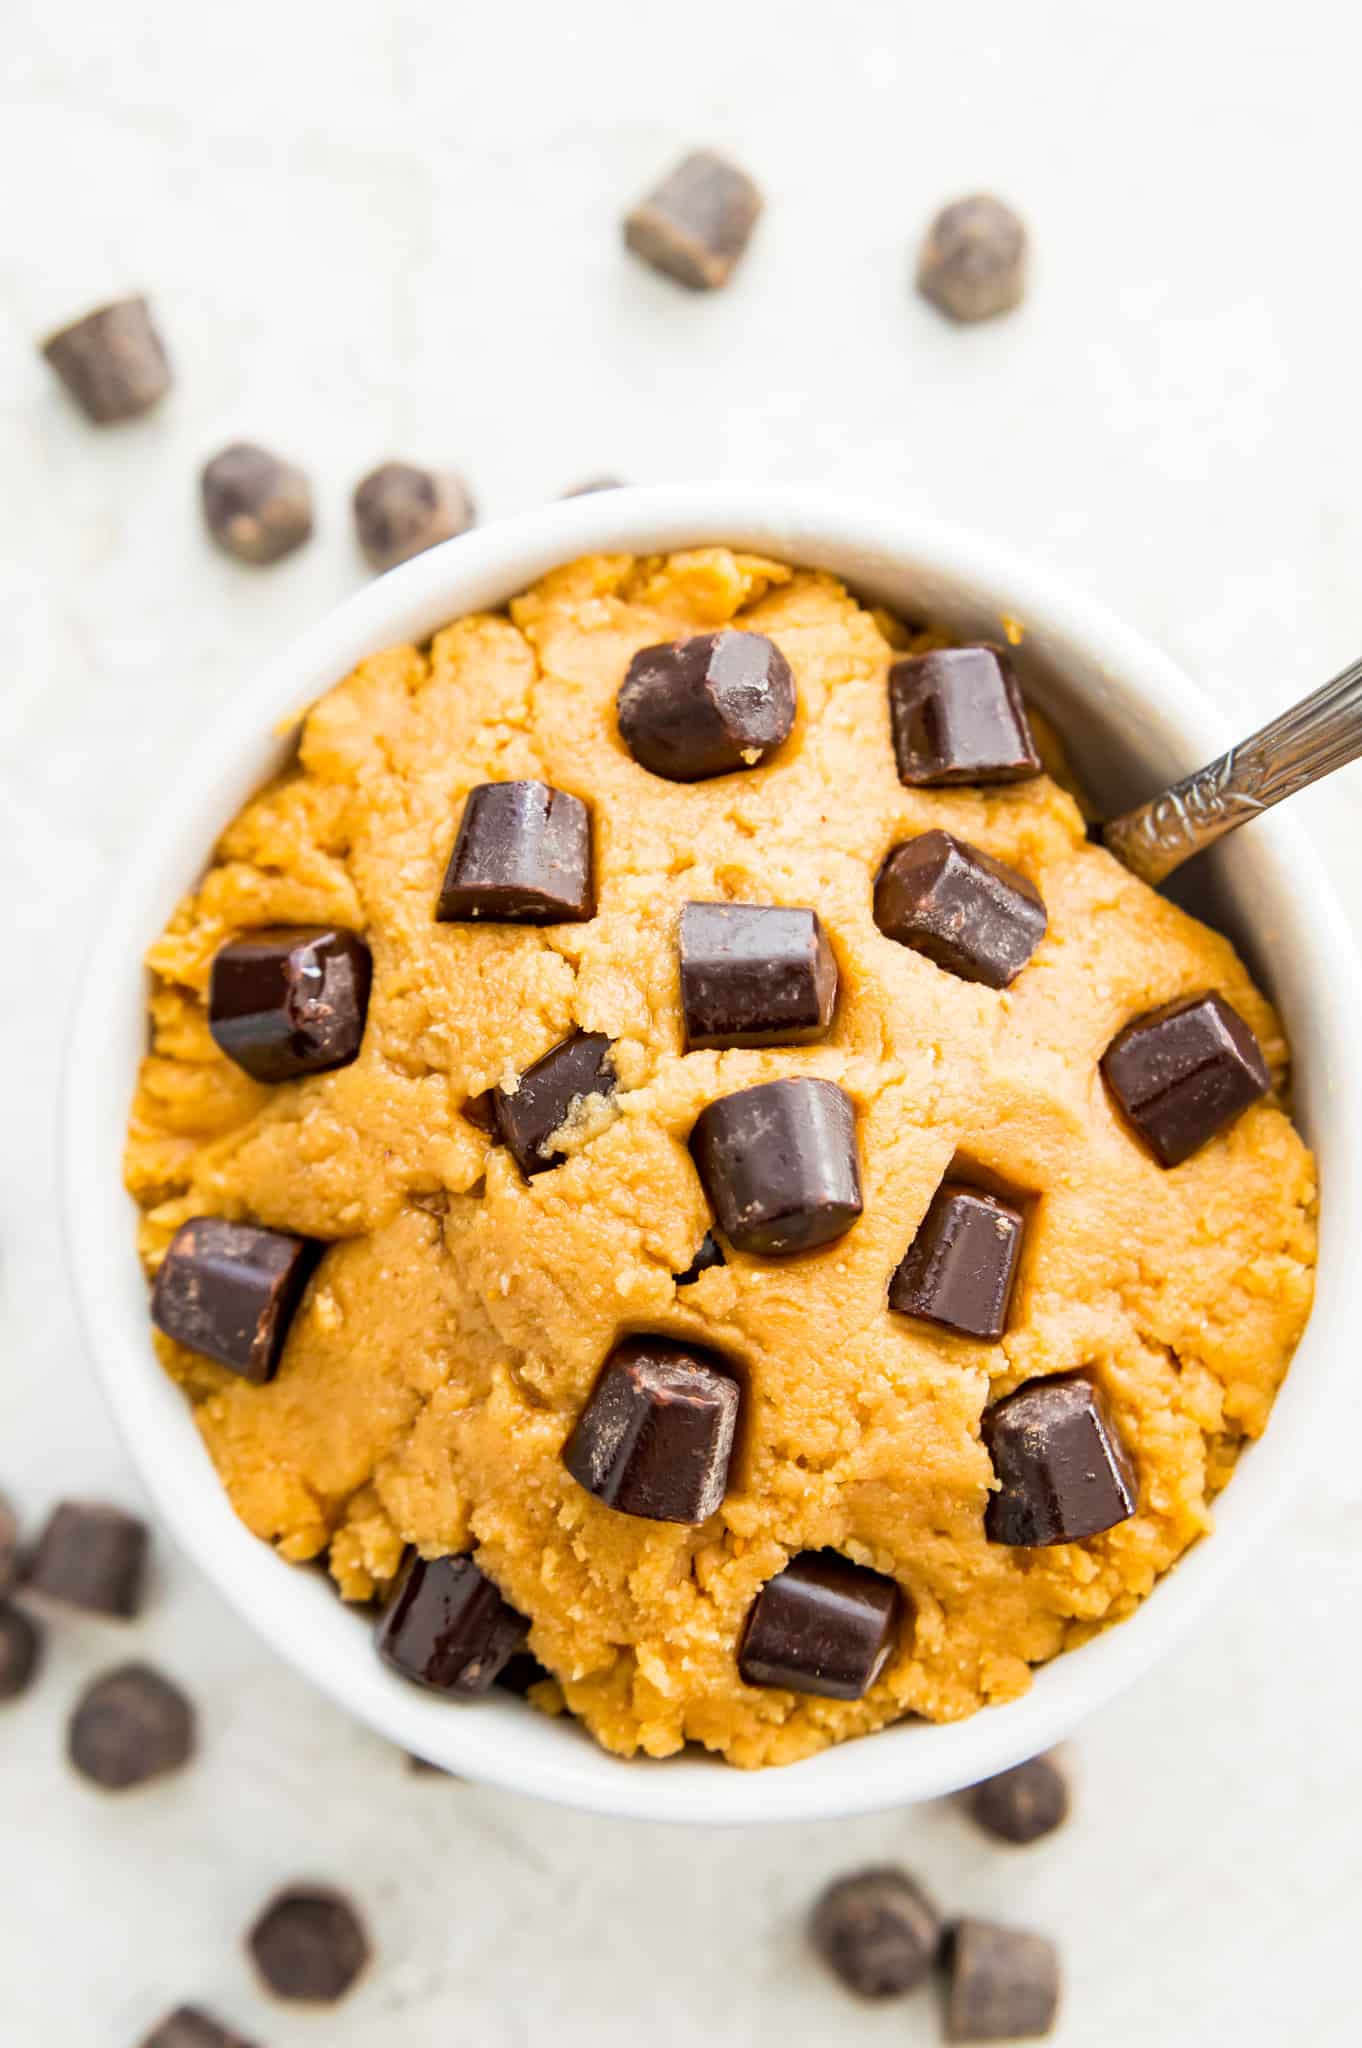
1321	733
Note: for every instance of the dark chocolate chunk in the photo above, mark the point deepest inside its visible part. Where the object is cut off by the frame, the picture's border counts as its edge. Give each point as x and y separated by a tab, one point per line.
656	1434
113	361
522	856
290	1000
229	1291
958	716
971	914
400	511
711	1253
1004	1984
878	1931
1185	1072
697	222
1022	1804
1063	1471
445	1625
709	705
92	1557
9	1547
594	484
129	1726
519	1673
309	1944
256	506
542	1100
960	1268
190	2027
754	974
481	1112
972	264
779	1163
823	1625
20	1647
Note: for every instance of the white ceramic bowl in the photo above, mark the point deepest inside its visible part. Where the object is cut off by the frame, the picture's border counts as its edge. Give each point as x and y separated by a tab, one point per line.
1131	719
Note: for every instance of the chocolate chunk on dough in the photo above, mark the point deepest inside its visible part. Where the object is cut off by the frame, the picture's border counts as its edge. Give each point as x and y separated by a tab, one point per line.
754	974
92	1557
445	1626
960	1268
972	264
290	1000
1003	1983
309	1945
542	1099
780	1165
130	1726
230	1290
522	856
255	505
696	224
1063	1472
1184	1073
112	361
401	510
970	914
656	1434
823	1625
709	705
957	717
878	1931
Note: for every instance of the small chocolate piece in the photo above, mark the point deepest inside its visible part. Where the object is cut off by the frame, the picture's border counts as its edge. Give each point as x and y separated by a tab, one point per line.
697	222
256	506
709	705
958	716
1063	1471
1185	1072
1022	1804
113	362
9	1547
481	1112
309	1944
190	2027
656	1434
711	1253
129	1726
543	1098
960	1268
823	1625
445	1626
229	1291
290	1000
971	914
400	511
20	1646
754	974
779	1163
1004	1984
519	1673
522	856
92	1557
972	264
878	1931
594	484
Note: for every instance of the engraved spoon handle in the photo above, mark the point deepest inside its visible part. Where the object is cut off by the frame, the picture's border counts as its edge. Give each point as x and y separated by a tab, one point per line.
1321	733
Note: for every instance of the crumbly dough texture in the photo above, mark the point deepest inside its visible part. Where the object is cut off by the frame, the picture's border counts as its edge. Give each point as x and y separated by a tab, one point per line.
456	1325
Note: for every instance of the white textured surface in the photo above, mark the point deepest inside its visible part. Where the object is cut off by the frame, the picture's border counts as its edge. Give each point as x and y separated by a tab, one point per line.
391	229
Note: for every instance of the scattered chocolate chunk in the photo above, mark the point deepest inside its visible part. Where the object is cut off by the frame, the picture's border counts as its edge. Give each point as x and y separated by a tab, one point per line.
519	1673
972	264
290	1000
958	716
229	1291
543	1098
522	856
189	2027
309	1944
445	1625
9	1547
20	1645
92	1557
1003	1984
656	1434
131	1725
481	1112
971	914
256	506
698	221
823	1625
1185	1072
779	1163
709	705
878	1931
1063	1471
754	974
711	1253
400	511
594	484
113	361
960	1268
1022	1804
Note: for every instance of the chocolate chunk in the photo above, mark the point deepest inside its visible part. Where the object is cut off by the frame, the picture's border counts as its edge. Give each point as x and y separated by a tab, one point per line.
823	1625
960	1268
400	511
189	2027
131	1725
1022	1804
543	1098
972	264
594	484
92	1557
1185	1072
9	1547
445	1625
971	914
709	705
753	974
958	716
255	505
878	1931
656	1434
309	1944
20	1646
290	1000
519	1673
481	1112
113	362
779	1163
698	221
1004	1984
229	1291
711	1253
1063	1471
522	856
